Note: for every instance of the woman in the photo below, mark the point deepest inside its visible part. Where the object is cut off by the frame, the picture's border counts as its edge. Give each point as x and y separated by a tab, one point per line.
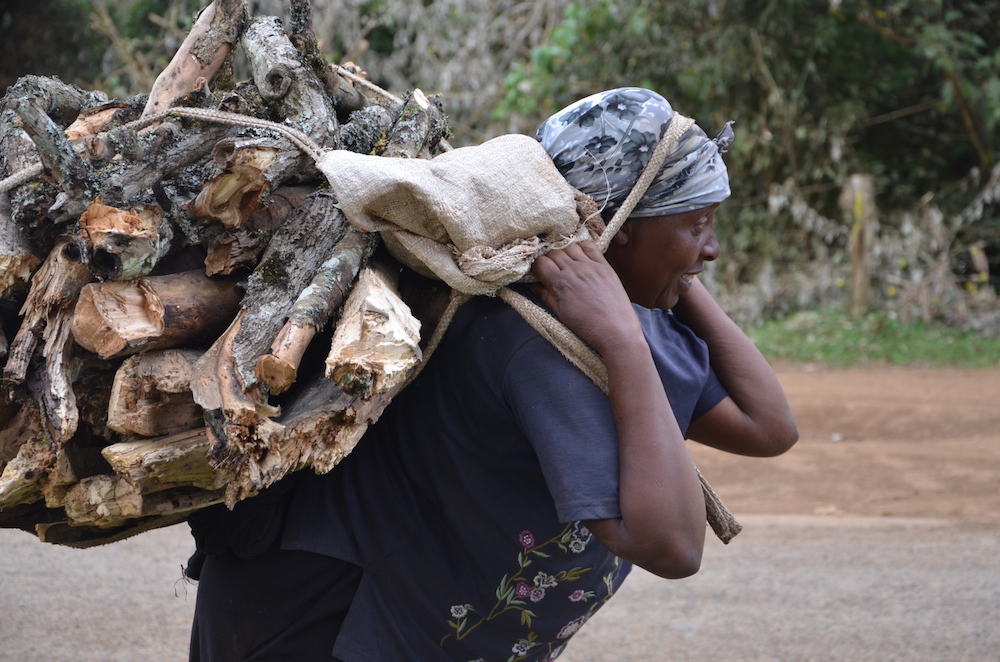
502	498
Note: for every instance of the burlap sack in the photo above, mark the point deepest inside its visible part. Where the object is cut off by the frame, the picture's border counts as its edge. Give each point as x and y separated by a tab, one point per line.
474	217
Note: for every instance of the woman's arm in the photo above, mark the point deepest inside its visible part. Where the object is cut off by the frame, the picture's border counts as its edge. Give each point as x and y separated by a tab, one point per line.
662	527
755	419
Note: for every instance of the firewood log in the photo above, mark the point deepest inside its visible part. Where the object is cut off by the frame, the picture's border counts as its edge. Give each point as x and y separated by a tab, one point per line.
124	244
232	196
243	246
115	319
208	44
110	500
178	460
20	481
346	98
290	89
311	311
71	172
151	395
48	312
377	341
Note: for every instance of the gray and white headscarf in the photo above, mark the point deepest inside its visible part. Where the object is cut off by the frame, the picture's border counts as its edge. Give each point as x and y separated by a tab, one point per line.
601	144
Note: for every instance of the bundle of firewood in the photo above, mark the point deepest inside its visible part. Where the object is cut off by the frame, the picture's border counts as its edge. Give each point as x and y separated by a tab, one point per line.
190	315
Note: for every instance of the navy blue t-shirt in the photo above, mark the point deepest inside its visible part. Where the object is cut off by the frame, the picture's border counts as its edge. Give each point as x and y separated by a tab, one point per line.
466	503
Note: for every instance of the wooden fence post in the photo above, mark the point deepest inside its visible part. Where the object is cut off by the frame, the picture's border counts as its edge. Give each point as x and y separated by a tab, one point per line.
857	197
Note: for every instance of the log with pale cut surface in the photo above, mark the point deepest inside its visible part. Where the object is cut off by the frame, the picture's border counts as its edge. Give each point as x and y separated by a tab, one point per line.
114	319
151	394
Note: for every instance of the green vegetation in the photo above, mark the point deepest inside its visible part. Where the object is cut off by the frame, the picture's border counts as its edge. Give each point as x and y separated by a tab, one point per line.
833	338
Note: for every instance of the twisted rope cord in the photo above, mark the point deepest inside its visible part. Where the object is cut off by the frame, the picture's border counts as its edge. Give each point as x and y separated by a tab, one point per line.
299	138
365	83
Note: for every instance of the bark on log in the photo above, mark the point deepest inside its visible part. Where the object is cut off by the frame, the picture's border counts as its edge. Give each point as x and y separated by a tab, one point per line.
159	312
177	460
71	172
202	53
243	247
369	129
346	98
311	311
47	313
17	261
291	89
295	254
170	149
60	101
152	397
420	125
377	341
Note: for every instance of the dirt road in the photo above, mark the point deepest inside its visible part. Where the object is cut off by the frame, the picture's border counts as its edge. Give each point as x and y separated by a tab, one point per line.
876	538
881	441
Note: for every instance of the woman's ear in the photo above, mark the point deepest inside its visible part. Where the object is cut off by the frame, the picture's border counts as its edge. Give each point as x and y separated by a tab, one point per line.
624	234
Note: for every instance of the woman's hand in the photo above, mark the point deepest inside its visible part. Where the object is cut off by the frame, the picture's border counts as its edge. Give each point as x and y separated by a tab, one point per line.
584	292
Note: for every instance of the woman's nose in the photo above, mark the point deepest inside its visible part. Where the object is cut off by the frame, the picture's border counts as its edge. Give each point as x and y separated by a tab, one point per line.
710	249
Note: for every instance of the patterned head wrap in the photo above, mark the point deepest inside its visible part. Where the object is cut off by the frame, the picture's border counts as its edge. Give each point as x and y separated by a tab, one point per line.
601	144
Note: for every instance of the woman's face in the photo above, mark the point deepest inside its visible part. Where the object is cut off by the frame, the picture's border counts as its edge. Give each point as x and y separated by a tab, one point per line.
658	257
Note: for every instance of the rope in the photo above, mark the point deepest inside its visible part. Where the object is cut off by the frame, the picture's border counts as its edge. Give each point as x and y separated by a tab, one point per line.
365	83
299	138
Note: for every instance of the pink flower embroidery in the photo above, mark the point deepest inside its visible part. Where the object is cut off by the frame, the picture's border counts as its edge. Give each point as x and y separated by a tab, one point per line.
522	590
576	596
527	540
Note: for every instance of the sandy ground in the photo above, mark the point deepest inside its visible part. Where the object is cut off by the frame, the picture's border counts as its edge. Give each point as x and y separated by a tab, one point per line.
876	538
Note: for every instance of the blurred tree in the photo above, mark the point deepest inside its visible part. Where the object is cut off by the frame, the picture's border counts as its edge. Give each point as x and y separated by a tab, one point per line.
909	92
44	37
